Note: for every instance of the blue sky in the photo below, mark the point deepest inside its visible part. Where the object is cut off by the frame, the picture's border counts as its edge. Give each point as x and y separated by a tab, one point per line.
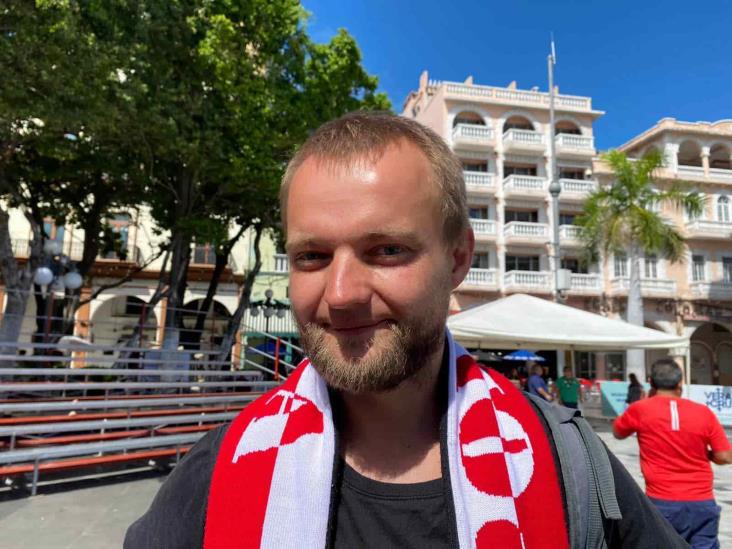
640	61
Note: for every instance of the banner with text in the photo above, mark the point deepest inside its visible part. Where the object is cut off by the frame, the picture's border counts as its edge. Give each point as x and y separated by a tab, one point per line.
716	397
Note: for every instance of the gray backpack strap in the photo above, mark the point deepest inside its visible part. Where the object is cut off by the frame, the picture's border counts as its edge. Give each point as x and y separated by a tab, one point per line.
587	477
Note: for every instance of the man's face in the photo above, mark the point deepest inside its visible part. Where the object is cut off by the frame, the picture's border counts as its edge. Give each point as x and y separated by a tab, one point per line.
371	273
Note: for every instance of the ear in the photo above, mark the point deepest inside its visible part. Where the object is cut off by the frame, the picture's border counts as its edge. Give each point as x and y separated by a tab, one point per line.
462	257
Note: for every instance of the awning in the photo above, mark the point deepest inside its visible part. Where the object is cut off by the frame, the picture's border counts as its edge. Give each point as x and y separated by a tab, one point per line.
522	320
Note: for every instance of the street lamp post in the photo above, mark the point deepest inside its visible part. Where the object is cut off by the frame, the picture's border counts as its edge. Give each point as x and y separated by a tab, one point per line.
57	275
270	307
561	276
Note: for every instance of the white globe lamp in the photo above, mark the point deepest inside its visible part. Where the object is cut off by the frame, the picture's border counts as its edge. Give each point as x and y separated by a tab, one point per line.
73	280
43	276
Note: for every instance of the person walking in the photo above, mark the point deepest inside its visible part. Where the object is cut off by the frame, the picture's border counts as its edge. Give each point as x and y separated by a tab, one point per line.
635	390
569	389
678	438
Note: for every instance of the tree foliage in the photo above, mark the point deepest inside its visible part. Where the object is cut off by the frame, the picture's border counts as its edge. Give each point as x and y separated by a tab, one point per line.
188	107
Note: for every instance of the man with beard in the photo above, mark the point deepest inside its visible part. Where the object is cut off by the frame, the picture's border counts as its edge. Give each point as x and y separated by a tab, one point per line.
390	435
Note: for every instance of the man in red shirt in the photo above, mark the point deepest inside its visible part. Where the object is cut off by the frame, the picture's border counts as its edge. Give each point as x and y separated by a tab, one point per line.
677	439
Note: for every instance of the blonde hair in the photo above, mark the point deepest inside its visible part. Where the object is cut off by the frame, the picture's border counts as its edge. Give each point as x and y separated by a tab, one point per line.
367	134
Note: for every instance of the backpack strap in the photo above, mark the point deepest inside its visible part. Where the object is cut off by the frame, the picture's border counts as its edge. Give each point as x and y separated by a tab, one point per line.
587	476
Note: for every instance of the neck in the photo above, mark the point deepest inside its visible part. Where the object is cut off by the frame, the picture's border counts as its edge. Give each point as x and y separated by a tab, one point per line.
668	393
394	436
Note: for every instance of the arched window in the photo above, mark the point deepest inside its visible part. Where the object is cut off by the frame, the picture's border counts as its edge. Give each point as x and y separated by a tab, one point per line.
690	154
566	126
723	209
719	157
468	117
517	123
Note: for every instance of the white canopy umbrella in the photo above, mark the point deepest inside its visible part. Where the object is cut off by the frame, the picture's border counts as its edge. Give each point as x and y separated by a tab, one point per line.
522	320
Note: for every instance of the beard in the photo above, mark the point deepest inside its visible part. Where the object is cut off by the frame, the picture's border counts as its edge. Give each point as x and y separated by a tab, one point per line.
379	363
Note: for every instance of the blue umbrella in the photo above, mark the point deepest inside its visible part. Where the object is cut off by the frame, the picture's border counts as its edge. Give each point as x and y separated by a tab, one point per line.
524	355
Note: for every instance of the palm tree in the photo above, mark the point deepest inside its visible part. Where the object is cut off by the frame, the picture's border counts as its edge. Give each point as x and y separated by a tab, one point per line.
623	218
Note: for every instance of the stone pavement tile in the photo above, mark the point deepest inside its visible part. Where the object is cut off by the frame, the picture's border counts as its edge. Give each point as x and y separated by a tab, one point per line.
94	517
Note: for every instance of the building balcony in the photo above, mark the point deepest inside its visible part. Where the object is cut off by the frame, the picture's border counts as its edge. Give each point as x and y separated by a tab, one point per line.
568	144
523	140
569	235
577	190
484	229
479	182
281	263
525	186
708	229
650	287
483	279
690	172
528	281
520	232
473	136
720	174
508	96
711	290
584	284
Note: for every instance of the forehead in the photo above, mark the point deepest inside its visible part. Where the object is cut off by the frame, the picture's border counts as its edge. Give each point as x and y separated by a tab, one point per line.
393	192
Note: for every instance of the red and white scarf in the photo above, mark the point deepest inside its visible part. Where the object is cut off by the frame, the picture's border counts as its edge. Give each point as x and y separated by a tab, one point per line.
272	483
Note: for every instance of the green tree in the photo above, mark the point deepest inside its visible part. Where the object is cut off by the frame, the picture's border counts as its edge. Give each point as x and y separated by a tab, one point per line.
623	218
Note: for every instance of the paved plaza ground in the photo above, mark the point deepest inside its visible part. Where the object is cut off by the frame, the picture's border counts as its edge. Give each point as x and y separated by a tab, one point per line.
96	515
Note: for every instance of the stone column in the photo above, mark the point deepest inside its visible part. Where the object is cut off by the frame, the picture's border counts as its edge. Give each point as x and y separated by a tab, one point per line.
705	160
670	154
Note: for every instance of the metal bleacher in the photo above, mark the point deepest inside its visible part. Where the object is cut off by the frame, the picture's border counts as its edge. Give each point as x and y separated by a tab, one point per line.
55	420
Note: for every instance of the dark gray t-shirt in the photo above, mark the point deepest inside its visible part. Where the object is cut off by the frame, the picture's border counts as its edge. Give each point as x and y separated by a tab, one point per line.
384	515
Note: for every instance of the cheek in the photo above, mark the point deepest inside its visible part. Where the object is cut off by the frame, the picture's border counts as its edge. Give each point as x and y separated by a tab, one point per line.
415	287
306	290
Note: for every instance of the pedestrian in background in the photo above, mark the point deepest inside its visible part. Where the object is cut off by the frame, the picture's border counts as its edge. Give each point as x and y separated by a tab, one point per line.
677	439
635	390
569	390
536	384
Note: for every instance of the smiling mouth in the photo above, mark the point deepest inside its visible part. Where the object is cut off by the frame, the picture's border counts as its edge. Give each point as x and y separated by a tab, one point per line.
355	331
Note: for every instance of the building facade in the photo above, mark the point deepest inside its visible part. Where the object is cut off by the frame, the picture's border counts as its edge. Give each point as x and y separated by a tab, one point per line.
110	318
502	135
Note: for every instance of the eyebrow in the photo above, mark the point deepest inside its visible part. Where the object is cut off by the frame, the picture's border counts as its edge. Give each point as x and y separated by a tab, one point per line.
408	237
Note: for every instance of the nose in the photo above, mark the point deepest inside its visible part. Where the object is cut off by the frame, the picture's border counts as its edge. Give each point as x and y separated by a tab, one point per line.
348	282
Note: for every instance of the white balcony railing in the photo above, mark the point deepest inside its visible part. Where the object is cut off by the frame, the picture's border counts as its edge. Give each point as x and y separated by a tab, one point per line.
481	277
479	180
712	290
519	138
720	174
281	263
522	229
569	234
527	280
581	282
649	286
709	229
486	227
509	96
582	143
517	184
581	187
472	134
694	172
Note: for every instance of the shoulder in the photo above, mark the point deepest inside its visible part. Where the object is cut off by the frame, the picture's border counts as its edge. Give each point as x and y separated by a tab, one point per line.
177	515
